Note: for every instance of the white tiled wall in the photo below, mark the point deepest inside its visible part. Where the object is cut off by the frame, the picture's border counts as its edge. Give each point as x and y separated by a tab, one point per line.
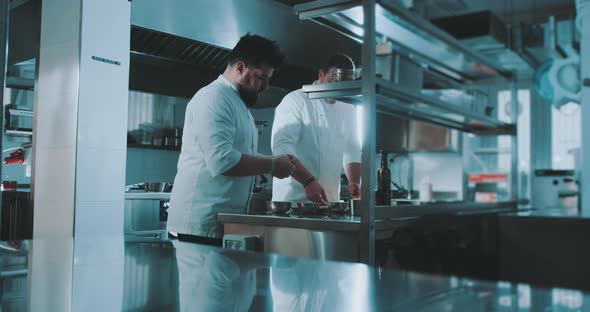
150	165
56	103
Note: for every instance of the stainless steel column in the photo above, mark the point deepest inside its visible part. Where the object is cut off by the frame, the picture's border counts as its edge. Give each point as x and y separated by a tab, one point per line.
79	141
4	16
583	11
514	141
367	241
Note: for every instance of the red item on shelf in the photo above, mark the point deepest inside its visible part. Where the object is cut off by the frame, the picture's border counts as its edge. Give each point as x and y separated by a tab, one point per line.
10	185
16	157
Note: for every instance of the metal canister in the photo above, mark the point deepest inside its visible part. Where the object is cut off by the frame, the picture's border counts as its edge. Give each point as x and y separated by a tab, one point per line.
355	207
177	137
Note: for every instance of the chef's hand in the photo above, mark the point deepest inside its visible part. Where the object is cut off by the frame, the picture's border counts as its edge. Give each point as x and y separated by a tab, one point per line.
355	190
283	166
315	192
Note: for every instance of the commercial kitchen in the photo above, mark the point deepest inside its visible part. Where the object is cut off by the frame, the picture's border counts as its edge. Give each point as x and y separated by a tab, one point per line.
466	194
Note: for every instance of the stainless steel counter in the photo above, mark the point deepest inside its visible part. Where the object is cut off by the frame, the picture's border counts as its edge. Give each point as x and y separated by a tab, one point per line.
175	276
337	223
147	195
336	237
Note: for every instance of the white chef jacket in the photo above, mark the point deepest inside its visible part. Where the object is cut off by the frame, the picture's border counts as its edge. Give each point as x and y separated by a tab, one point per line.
321	135
218	129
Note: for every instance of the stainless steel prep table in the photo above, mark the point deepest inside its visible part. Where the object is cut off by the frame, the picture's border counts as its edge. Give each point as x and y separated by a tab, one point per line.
336	237
326	238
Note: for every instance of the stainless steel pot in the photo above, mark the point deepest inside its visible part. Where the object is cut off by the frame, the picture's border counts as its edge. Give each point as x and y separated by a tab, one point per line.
278	206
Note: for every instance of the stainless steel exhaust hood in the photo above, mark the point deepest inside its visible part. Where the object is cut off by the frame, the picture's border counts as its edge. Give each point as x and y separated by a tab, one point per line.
179	46
486	33
171	65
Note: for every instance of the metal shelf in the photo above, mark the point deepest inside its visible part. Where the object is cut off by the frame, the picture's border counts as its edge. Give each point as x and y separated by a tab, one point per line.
410	34
393	99
155	147
443	59
20	132
20	83
404	211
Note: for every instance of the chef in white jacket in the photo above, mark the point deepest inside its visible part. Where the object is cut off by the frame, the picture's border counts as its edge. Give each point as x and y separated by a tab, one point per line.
322	135
219	159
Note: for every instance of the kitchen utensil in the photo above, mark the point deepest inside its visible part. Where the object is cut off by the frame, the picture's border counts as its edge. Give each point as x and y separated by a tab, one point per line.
152	186
308	208
338	207
278	206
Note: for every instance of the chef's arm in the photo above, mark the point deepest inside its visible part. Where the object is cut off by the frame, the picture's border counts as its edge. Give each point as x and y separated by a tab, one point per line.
300	174
279	166
353	172
250	166
313	190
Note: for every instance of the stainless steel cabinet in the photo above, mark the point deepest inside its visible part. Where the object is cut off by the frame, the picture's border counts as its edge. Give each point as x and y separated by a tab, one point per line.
146	216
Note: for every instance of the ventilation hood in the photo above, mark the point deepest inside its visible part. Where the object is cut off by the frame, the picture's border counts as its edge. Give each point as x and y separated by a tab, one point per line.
522	48
171	65
485	33
179	46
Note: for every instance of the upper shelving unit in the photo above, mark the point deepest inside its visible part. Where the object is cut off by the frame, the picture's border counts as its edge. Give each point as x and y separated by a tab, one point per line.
20	83
438	53
411	35
396	100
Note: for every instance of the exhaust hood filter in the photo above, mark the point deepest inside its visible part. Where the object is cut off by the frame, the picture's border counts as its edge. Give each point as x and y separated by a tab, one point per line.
171	47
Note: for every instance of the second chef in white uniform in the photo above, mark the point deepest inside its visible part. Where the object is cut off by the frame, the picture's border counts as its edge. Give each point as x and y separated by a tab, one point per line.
322	135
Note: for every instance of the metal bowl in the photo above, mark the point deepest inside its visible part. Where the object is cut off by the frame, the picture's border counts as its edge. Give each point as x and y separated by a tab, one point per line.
338	207
278	206
308	208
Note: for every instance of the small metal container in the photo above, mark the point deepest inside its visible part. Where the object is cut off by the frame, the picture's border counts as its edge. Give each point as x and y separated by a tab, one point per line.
340	74
308	208
278	206
152	186
338	207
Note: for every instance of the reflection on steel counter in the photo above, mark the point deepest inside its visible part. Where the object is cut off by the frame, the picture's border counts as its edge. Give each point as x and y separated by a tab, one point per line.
13	275
443	244
213	279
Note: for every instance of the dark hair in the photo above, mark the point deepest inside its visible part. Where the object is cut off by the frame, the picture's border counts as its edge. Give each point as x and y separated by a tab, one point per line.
256	50
339	60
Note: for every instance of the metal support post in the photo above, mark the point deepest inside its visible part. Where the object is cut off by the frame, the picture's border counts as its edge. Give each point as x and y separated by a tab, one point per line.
583	20
514	142
369	105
